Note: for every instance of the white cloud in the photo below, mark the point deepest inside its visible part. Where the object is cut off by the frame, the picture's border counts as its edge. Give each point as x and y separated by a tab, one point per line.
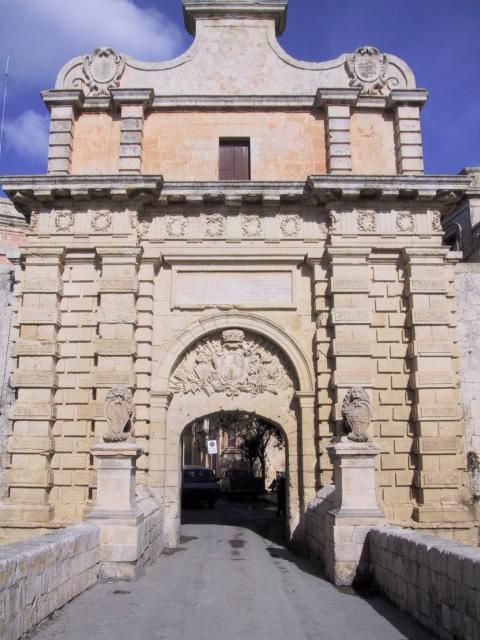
27	135
41	35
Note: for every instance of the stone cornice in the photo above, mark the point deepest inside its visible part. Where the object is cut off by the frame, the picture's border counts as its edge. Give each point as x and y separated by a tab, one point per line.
234	102
28	192
226	9
439	189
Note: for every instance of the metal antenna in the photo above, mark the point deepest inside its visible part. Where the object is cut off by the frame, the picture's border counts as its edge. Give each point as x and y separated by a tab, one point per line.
5	84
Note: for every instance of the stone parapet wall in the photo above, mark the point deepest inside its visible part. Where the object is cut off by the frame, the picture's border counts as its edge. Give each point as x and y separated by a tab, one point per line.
40	575
435	580
151	543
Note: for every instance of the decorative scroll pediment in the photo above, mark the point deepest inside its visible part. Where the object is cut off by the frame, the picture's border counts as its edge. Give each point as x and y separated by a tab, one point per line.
232	362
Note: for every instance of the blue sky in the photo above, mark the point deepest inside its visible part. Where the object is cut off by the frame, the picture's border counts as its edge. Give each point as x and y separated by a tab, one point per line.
439	39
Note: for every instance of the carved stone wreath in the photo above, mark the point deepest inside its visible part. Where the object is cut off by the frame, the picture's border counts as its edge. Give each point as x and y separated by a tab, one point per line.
437	221
290	226
103	70
214	225
176	227
232	362
102	221
64	220
368	68
251	226
405	221
366	221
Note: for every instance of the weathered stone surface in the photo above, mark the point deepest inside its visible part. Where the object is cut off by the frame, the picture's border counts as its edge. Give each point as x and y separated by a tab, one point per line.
435	580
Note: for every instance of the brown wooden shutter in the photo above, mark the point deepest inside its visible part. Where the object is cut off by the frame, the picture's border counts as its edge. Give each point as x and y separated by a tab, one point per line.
234	160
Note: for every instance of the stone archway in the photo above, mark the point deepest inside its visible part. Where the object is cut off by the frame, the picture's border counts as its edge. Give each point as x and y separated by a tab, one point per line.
232	362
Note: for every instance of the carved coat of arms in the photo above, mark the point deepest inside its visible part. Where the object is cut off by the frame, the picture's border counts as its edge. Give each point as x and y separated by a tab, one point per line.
232	364
357	414
367	68
103	70
120	414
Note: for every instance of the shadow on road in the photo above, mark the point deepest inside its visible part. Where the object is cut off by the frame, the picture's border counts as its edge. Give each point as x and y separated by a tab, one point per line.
259	517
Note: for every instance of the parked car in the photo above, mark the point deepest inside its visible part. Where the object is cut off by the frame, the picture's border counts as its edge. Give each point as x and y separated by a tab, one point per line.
240	483
199	485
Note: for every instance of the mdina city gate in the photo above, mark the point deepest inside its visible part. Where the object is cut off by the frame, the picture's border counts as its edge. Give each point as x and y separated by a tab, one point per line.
238	231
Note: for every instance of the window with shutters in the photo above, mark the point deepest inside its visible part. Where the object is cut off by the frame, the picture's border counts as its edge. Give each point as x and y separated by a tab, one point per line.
234	159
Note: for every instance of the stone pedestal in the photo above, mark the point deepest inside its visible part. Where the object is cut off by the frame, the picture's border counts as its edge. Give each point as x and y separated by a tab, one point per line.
355	510
116	512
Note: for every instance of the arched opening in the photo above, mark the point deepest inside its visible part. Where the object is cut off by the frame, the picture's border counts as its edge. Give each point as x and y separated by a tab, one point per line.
232	363
236	463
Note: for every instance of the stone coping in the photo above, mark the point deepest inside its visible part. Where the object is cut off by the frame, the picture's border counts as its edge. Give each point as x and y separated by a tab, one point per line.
28	191
270	9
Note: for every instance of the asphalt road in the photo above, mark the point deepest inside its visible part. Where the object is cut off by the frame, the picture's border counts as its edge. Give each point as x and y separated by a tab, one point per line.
231	579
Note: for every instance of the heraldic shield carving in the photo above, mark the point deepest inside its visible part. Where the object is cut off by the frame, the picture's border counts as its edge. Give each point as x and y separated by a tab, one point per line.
232	362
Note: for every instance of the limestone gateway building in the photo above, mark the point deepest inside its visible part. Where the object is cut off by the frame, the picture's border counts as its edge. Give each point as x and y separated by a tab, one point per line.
236	230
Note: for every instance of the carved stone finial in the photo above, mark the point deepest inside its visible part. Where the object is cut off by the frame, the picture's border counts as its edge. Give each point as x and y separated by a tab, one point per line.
368	69
120	414
103	69
357	414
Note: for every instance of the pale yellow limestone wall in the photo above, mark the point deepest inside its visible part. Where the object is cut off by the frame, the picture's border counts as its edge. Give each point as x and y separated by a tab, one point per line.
284	146
373	143
96	143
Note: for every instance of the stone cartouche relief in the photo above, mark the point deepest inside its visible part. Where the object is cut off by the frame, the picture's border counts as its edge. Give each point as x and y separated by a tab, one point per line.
333	220
214	225
34	221
436	221
103	70
357	414
232	362
120	414
140	224
368	70
64	220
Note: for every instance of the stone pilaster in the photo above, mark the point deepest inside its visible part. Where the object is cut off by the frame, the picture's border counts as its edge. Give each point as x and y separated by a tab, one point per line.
308	456
323	367
132	104
75	399
30	445
350	282
117	323
438	425
63	106
143	364
337	105
163	487
408	138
